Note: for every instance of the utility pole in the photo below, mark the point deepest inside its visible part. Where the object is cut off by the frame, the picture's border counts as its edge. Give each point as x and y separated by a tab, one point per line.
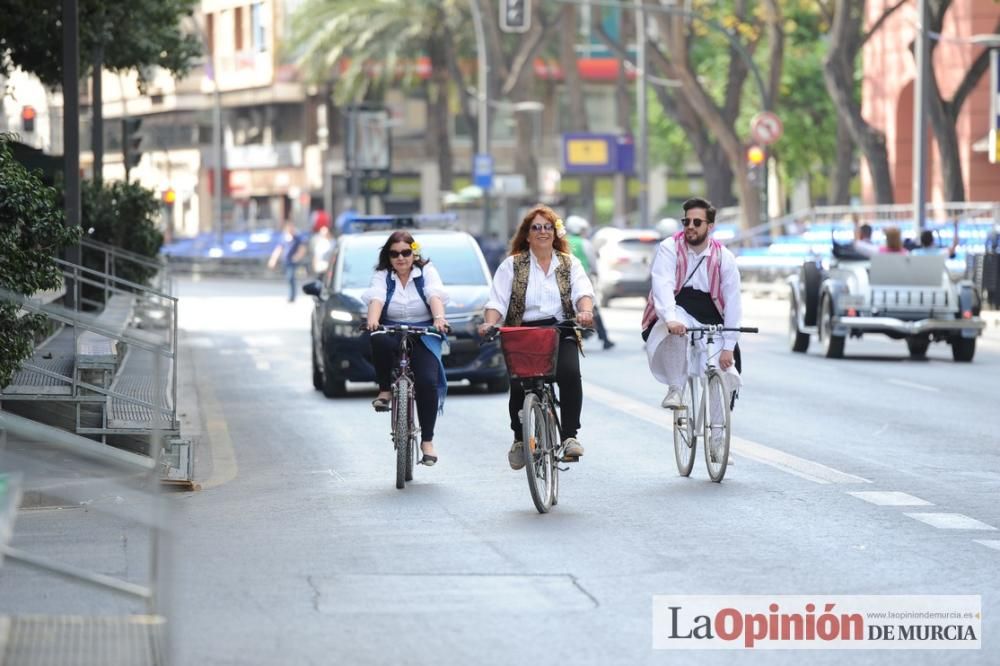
71	127
920	120
642	143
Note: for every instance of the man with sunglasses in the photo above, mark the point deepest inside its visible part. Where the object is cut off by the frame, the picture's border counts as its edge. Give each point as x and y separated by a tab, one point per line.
695	282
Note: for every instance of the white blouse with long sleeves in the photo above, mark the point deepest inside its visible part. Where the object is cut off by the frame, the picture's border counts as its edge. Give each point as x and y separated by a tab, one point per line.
542	300
406	305
664	276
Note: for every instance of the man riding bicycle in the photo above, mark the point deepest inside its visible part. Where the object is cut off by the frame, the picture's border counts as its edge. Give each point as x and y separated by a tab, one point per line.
695	282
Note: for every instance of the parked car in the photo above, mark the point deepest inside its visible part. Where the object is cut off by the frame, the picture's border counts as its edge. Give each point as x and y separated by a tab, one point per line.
624	260
341	351
902	296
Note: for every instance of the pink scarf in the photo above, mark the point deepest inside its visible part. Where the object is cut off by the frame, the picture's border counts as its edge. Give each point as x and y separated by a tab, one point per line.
714	268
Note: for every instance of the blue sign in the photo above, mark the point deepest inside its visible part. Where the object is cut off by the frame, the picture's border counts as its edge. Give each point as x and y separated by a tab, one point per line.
482	171
587	153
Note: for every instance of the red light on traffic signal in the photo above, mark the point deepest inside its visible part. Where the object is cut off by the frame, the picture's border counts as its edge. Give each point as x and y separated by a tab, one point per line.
28	114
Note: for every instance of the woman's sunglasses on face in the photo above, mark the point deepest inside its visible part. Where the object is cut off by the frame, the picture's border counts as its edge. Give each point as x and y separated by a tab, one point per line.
539	228
395	254
687	221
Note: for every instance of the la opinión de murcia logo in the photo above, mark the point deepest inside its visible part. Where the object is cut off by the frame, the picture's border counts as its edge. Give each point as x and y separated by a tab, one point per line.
856	622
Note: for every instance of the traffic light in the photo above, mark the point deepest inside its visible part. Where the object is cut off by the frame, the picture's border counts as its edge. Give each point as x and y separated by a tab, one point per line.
169	196
515	15
131	142
28	119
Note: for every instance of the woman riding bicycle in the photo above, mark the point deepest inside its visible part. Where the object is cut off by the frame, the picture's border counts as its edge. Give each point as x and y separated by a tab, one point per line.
406	289
539	284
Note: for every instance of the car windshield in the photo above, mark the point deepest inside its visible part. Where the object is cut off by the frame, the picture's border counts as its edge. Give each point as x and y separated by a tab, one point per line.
454	256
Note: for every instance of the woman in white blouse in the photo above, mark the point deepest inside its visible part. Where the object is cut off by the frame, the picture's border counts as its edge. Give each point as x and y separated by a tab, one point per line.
406	289
539	284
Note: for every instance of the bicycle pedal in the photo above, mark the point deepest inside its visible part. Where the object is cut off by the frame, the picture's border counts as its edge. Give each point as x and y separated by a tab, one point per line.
569	459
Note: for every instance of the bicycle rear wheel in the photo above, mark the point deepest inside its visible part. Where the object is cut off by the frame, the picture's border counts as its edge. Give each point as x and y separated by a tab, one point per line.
554	440
537	453
686	428
718	420
401	392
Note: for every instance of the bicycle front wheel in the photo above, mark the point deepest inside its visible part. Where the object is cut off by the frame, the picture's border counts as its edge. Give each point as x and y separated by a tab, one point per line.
537	453
401	391
686	428
717	427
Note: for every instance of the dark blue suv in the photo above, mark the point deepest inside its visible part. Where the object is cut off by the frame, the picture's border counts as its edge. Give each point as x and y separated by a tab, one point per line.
341	352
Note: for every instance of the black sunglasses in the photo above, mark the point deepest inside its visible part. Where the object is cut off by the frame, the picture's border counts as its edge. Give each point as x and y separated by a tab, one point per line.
394	254
687	221
539	228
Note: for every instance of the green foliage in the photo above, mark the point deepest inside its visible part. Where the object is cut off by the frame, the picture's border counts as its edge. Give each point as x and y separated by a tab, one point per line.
667	142
377	40
31	234
135	34
123	215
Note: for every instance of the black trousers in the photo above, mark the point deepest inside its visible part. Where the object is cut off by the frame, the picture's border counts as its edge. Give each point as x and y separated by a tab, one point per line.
568	380
385	349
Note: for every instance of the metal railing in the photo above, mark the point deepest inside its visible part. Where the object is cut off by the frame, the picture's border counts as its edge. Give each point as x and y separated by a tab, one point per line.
87	392
112	256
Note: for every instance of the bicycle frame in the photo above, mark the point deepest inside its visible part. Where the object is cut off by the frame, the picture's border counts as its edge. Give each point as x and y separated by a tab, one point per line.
700	415
404	431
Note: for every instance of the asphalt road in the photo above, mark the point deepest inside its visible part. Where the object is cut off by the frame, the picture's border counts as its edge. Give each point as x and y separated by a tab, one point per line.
873	475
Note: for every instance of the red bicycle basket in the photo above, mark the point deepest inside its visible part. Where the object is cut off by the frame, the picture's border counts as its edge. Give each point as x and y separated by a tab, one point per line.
530	352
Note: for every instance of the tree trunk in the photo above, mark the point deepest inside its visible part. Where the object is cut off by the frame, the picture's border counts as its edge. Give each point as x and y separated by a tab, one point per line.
438	115
840	181
838	73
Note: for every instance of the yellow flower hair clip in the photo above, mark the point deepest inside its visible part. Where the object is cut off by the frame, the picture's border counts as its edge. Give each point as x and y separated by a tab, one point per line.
560	228
415	246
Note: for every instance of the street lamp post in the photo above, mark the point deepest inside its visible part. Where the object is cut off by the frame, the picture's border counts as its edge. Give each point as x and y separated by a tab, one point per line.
642	143
482	96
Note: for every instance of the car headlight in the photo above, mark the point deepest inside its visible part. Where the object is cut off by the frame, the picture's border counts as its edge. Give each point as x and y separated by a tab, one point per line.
341	315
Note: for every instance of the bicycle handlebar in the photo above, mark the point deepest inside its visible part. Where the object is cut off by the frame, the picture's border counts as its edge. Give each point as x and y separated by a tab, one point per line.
406	328
712	328
494	331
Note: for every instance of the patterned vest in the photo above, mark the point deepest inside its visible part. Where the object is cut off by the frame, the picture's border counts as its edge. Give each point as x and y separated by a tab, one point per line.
522	269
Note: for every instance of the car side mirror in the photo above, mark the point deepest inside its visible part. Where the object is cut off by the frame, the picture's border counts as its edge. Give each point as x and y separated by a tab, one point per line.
312	288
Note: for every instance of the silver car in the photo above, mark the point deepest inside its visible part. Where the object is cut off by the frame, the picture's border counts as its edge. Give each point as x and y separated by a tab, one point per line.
624	260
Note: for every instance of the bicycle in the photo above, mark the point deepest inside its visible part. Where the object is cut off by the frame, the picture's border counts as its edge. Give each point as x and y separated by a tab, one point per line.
531	353
703	394
404	431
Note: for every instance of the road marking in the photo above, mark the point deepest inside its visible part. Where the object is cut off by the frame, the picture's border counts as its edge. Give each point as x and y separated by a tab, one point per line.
914	385
224	467
329	472
950	521
262	365
786	462
890	498
989	543
262	341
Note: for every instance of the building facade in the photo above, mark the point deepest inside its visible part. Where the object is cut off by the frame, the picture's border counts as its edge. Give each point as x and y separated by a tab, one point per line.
888	100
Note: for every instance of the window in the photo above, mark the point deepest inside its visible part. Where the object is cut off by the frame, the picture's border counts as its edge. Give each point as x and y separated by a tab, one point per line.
210	34
454	256
258	28
238	28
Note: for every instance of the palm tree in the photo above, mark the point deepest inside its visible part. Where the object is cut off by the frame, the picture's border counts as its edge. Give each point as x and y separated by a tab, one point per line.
374	38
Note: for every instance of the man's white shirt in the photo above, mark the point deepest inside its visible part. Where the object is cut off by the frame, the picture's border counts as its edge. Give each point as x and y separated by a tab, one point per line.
406	305
542	299
664	273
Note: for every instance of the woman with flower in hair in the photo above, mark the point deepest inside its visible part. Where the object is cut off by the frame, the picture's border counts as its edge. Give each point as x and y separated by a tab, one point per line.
539	284
406	289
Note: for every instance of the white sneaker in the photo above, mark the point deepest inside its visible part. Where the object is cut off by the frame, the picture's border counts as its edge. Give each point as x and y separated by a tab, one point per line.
673	399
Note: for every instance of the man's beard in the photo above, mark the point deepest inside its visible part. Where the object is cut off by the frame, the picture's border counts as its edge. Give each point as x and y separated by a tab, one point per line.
696	238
